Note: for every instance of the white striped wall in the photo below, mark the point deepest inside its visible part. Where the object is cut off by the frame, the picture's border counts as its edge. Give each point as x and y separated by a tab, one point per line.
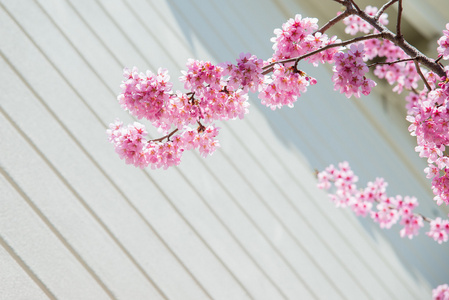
248	222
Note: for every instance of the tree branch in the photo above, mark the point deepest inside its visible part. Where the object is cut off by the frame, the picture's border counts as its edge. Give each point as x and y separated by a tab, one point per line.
164	137
390	62
418	69
384	33
334	21
355	5
398	22
403	44
424	217
269	68
383	8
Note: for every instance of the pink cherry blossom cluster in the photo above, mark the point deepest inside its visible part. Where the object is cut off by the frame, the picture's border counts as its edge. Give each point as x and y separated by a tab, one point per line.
145	94
355	24
148	95
441	292
427	109
131	145
201	75
403	74
289	40
439	230
443	43
247	74
129	141
298	37
429	118
373	201
202	139
212	95
349	72
219	92
284	86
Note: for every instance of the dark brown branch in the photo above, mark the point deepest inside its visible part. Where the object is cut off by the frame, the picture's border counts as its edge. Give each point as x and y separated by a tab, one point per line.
355	5
201	127
164	137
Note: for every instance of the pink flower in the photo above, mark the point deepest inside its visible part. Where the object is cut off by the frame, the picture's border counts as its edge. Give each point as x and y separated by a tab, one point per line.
354	24
128	142
283	87
431	171
297	38
388	210
441	292
145	95
247	74
412	224
362	208
290	41
439	230
201	74
385	215
443	43
349	72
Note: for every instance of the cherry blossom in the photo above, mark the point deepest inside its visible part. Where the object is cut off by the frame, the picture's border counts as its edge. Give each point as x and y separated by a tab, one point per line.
441	292
219	92
373	201
284	87
247	74
443	43
349	72
355	24
439	230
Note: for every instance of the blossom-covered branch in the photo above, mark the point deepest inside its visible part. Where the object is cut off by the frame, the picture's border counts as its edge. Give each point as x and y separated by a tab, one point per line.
374	201
219	92
269	68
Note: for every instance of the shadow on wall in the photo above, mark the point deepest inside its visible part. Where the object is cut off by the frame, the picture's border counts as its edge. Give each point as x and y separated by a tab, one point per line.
324	126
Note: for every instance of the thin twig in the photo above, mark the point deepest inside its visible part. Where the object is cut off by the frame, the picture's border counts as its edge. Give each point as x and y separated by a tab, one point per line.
398	24
340	1
164	137
269	68
334	21
201	127
418	69
383	8
390	62
424	217
415	91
